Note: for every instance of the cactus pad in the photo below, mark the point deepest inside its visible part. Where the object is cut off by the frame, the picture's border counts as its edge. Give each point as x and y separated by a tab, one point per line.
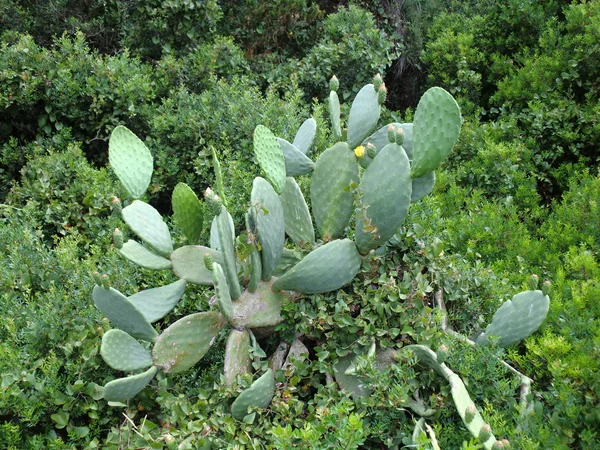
422	186
140	255
188	263
130	160
296	162
186	341
122	313
214	232
187	212
270	225
147	223
436	128
261	308
334	115
122	352
259	395
298	223
222	290
336	171
237	355
156	303
270	157
228	252
364	114
123	389
384	192
517	318
306	135
325	269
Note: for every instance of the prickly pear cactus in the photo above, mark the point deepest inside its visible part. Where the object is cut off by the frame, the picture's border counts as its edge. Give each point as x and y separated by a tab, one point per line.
366	183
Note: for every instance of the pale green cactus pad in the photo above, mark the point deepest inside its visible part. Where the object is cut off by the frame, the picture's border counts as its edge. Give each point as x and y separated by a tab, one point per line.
123	389
380	139
130	160
364	114
188	263
296	162
334	115
436	127
270	225
255	261
258	395
214	232
147	223
325	269
187	212
289	258
270	157
517	318
298	223
122	313
306	135
261	308
186	341
356	386
237	355
384	191
331	193
122	352
156	303
422	186
140	255
222	291
228	252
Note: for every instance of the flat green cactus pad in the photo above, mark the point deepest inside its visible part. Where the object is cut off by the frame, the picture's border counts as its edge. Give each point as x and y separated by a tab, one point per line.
186	341
270	225
259	395
364	114
222	290
215	244
385	193
331	194
130	160
436	128
140	255
270	157
306	135
123	389
237	355
325	269
122	352
422	186
334	115
188	263
380	138
356	386
296	162
298	223
187	212
122	313
289	258
228	251
156	303
517	318
261	308
147	223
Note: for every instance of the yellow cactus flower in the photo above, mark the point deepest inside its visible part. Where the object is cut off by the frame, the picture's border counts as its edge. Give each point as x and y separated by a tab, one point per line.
359	151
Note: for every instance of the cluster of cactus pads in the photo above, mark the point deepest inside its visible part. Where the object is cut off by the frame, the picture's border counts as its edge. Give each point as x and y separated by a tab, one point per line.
366	180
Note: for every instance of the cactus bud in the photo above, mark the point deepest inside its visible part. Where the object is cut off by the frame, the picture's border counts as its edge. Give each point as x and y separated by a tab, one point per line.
334	83
498	444
208	261
359	151
470	413
533	282
118	238
442	353
117	207
391	133
381	94
105	282
363	163
546	287
97	278
506	443
485	433
371	150
399	136
213	202
377	82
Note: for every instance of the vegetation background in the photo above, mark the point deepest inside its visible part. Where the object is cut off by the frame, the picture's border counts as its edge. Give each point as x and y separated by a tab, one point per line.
519	195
